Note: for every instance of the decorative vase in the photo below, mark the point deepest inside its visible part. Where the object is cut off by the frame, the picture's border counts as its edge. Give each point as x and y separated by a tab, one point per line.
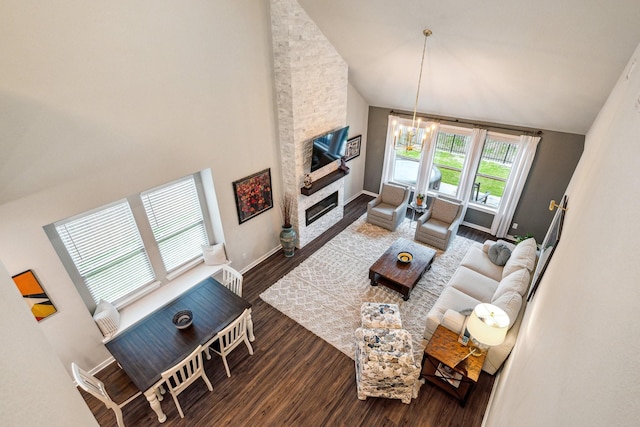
288	240
419	200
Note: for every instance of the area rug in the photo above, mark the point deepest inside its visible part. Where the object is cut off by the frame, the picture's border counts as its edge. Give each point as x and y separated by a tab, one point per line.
325	292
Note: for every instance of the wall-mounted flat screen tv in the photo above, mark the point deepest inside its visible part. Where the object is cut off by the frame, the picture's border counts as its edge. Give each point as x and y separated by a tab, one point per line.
329	147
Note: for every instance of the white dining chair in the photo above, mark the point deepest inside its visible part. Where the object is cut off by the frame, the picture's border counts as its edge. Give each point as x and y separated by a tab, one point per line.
232	279
229	338
96	388
183	374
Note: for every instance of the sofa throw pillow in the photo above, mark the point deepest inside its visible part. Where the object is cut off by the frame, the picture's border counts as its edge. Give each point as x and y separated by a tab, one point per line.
499	254
510	302
488	243
214	255
522	256
107	318
518	281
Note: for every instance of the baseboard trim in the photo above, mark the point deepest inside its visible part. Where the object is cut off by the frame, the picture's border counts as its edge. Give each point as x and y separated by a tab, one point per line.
259	260
102	365
476	227
491	397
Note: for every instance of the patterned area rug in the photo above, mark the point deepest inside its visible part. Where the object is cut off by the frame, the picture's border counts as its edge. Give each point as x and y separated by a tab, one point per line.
325	292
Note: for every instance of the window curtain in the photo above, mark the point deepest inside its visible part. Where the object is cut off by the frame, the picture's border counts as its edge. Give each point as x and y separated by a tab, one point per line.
473	159
426	159
522	165
389	153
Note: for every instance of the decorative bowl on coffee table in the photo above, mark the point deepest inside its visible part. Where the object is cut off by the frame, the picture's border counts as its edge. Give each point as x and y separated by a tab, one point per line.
405	257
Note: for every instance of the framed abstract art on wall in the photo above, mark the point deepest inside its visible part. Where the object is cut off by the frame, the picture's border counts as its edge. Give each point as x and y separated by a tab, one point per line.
253	195
34	295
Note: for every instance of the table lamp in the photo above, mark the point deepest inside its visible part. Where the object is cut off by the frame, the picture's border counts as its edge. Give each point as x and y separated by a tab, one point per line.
487	326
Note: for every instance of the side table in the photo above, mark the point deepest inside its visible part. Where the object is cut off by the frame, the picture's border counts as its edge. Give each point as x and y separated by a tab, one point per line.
417	208
441	364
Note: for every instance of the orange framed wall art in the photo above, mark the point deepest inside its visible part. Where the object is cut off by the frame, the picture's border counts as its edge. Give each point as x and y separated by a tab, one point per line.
34	295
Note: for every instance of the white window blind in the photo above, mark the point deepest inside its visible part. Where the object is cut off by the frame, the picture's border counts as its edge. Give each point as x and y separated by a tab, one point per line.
176	220
107	250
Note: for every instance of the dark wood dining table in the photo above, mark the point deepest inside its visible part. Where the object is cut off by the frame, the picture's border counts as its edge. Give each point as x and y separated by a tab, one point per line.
154	344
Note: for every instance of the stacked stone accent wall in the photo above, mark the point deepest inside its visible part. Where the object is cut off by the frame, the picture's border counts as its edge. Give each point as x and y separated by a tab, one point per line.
311	81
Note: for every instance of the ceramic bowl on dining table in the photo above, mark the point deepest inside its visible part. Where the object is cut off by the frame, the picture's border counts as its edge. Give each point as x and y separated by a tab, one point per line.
183	319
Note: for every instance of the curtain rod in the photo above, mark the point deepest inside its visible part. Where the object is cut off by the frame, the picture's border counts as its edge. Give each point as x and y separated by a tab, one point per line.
466	122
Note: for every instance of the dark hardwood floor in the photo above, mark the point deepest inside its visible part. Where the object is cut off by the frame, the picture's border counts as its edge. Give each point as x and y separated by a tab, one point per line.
294	378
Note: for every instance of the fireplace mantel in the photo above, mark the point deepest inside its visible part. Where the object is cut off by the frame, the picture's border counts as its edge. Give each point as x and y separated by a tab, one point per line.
324	181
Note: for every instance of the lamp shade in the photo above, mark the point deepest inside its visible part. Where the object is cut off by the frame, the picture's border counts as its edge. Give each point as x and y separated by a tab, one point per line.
488	324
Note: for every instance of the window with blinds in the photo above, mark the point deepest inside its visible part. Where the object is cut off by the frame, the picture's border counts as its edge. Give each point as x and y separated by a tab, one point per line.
107	250
176	220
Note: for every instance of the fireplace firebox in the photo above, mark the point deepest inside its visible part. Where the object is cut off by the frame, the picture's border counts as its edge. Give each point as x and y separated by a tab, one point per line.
321	208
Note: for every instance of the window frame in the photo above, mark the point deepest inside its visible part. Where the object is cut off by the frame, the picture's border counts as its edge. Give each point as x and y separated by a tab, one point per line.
171	271
427	160
161	275
500	137
464	172
398	137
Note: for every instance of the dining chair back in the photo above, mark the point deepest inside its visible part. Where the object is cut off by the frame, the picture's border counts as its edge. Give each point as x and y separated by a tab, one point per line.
95	387
229	338
232	280
183	374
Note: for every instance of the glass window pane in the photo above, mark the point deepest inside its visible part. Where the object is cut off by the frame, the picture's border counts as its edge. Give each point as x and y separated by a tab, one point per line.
177	223
450	157
405	170
493	171
106	249
408	148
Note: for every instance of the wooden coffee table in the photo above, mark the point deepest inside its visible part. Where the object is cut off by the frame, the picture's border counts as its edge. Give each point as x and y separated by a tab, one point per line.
390	272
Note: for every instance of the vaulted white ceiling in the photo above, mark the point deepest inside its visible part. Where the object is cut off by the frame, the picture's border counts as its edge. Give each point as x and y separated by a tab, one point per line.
546	64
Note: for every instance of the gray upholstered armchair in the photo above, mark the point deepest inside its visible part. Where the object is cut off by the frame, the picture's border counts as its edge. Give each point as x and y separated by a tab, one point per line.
439	224
390	207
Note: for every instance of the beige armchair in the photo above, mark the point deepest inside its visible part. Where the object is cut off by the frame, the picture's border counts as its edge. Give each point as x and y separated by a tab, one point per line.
439	224
389	209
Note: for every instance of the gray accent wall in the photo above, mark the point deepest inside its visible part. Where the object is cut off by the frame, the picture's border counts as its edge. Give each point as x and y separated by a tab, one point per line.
556	159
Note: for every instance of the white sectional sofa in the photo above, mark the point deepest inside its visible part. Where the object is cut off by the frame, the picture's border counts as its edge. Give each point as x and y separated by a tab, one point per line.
478	280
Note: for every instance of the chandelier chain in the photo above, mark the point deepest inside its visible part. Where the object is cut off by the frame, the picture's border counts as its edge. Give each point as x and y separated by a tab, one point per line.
426	33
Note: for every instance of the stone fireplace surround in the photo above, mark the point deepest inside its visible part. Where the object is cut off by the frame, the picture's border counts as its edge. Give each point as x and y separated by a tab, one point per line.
311	84
306	233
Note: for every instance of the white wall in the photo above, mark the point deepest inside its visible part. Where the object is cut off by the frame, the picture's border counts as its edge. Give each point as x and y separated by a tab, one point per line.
36	390
100	100
577	356
357	119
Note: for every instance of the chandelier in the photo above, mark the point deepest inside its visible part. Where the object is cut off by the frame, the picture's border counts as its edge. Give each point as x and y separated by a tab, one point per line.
410	137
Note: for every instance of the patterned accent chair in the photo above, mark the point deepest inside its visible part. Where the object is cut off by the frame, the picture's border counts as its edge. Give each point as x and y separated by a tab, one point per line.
439	224
380	315
389	209
385	366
